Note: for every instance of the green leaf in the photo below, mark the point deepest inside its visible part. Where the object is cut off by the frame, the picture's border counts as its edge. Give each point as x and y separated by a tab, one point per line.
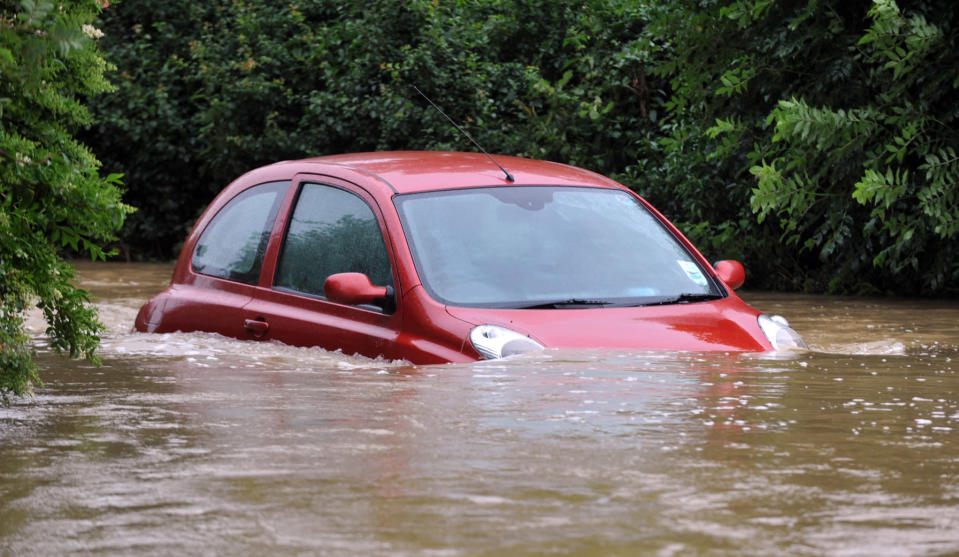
33	12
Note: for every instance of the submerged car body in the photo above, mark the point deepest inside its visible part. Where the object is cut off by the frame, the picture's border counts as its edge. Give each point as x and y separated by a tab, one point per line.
437	257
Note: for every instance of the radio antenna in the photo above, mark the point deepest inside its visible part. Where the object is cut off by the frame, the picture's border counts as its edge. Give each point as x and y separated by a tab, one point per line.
509	177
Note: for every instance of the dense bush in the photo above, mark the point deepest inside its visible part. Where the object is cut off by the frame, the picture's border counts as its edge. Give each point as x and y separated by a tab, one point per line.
869	179
815	140
210	89
844	115
52	196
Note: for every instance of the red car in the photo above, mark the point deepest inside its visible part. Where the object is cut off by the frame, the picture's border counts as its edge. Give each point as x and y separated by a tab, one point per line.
437	257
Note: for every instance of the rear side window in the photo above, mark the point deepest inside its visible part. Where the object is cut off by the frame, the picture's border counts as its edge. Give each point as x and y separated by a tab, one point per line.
233	244
331	231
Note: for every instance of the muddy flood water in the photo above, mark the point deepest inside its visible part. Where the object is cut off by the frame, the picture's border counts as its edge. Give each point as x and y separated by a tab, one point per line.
195	444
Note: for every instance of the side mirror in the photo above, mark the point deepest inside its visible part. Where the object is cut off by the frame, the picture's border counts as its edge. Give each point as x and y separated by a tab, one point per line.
353	289
731	272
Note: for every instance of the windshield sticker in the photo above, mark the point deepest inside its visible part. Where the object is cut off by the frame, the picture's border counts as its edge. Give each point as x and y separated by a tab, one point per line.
692	271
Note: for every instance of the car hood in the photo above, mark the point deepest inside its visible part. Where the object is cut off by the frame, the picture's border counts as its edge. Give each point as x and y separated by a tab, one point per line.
720	325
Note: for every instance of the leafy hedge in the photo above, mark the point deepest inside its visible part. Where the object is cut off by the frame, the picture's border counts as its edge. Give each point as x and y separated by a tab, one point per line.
814	140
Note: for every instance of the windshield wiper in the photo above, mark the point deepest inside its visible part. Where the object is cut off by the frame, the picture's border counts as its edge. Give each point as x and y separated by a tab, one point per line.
567	303
575	303
684	298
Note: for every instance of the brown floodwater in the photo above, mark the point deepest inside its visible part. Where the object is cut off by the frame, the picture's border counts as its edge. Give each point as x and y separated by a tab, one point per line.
184	444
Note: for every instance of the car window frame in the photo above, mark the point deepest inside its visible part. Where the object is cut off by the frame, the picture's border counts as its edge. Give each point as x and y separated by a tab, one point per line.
263	248
284	219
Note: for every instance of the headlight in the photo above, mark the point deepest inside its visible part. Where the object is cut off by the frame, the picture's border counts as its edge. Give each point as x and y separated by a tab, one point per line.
494	342
780	334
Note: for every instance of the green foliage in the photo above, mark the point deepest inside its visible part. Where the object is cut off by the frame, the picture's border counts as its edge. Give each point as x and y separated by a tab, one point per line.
815	140
209	90
841	114
874	183
52	197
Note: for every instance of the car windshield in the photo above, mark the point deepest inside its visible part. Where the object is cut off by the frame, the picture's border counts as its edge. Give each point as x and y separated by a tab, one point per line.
547	247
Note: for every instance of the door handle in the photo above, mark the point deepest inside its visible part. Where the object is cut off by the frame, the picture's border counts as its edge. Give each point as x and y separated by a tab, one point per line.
256	327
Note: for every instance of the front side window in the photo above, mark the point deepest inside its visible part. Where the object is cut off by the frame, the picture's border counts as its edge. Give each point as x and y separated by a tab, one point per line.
331	231
543	246
233	244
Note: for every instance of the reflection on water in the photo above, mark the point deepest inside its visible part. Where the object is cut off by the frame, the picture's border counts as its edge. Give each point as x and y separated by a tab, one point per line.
198	444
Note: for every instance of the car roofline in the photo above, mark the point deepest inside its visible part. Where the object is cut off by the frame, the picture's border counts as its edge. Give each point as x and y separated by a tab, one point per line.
418	171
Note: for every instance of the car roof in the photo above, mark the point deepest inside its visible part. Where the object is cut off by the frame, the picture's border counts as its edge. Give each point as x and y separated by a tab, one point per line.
415	171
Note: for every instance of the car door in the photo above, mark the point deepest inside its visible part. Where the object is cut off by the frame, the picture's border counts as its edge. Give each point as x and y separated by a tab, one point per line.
332	227
219	273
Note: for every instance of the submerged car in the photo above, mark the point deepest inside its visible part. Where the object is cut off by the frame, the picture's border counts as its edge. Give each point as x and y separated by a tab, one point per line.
434	257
